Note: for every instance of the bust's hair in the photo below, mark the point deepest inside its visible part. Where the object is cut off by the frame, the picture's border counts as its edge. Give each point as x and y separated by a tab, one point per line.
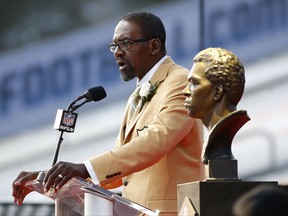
224	68
151	26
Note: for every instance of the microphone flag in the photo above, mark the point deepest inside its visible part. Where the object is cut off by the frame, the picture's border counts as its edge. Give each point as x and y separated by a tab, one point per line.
65	121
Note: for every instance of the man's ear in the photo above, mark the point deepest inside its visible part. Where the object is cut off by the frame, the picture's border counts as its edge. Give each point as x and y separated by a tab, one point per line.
155	45
218	92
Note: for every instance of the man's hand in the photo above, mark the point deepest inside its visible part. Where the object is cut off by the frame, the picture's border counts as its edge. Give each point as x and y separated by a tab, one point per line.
61	173
19	190
54	178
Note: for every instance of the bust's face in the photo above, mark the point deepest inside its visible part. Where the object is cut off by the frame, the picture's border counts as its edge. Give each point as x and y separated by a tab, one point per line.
199	100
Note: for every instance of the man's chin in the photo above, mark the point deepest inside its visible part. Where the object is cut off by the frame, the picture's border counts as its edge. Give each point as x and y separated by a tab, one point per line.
190	113
126	77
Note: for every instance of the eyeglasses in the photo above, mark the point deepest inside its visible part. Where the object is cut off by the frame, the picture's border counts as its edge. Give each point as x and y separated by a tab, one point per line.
125	44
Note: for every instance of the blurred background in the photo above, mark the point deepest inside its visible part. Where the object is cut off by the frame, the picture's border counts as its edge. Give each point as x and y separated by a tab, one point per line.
53	51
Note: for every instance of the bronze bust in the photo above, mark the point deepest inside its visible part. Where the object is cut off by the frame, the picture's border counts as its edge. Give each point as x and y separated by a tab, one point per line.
216	85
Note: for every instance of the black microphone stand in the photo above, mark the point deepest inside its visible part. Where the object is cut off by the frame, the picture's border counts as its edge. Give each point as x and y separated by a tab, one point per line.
71	108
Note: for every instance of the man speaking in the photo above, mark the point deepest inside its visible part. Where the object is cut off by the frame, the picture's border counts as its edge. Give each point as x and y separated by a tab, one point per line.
159	145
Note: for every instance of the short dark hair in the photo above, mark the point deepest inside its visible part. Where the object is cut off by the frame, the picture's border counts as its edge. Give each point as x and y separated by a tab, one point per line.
150	24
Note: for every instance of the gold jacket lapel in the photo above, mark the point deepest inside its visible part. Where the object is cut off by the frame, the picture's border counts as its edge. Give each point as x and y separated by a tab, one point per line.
158	76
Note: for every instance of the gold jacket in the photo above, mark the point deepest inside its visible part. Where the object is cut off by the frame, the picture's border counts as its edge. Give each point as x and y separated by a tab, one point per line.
162	147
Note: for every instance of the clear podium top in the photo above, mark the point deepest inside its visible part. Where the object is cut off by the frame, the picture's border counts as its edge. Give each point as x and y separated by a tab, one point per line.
71	198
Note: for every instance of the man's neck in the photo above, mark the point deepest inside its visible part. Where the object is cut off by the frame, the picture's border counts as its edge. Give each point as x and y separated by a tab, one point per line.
151	72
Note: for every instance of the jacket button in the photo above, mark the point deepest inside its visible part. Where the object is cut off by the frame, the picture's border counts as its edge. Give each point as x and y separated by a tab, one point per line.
125	183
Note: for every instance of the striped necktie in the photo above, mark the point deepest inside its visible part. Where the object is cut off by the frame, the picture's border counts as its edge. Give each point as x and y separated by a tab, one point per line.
133	102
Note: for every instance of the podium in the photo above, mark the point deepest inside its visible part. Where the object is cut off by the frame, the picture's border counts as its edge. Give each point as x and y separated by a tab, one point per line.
81	198
216	195
212	197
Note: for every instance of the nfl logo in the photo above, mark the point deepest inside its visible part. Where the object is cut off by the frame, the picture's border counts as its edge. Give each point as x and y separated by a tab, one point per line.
65	121
68	119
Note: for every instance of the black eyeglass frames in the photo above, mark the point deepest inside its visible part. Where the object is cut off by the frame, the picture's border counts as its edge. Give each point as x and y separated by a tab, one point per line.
124	45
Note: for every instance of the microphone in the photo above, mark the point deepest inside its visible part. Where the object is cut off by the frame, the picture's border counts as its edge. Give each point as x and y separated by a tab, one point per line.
66	119
93	94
